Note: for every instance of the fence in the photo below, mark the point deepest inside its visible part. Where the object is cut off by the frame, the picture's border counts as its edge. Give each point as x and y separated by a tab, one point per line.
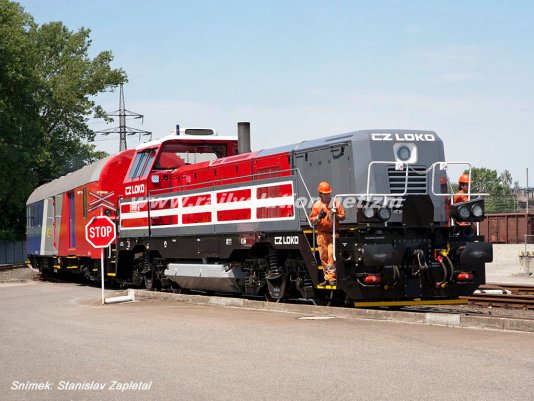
12	252
508	204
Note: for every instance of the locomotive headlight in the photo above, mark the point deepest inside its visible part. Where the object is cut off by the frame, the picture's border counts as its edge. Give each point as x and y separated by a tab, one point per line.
472	210
384	213
368	212
404	153
477	211
463	212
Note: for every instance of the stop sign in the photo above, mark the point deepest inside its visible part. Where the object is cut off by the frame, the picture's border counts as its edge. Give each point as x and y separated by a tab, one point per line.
100	232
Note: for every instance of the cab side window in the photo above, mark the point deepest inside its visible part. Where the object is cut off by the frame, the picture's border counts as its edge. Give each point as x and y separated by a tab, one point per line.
148	163
142	163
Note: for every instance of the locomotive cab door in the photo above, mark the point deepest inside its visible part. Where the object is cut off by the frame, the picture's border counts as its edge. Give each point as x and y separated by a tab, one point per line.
333	164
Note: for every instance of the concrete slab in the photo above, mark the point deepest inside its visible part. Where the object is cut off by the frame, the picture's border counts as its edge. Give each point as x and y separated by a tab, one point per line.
440	319
508	267
59	333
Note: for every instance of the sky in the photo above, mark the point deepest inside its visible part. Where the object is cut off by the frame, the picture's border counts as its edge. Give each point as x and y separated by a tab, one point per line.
299	70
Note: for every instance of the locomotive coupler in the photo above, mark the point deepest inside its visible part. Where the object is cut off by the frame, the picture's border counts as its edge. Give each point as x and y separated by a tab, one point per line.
419	263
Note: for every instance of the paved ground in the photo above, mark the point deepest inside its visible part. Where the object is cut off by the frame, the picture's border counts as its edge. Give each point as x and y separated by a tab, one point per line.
58	332
516	278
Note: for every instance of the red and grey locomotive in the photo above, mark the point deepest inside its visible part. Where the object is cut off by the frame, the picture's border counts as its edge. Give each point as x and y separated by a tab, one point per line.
198	211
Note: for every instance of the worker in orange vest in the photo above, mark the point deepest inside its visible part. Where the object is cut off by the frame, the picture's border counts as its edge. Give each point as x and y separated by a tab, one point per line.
463	184
322	215
461	196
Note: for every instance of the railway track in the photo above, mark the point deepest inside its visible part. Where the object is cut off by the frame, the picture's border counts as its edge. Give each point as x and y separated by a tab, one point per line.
511	296
10	267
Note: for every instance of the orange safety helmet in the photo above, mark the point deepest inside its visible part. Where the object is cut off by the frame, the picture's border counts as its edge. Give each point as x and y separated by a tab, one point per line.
464	179
324	188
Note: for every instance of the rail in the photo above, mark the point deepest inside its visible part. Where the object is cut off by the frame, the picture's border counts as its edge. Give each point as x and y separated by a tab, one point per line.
512	296
505	300
11	266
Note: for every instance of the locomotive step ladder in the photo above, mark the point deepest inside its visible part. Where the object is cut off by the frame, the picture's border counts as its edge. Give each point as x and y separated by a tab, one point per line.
310	234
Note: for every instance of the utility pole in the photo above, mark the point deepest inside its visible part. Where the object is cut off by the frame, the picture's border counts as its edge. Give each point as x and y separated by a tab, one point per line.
527	191
122	129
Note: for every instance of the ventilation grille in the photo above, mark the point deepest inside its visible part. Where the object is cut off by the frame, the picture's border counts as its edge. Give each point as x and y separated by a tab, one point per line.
417	180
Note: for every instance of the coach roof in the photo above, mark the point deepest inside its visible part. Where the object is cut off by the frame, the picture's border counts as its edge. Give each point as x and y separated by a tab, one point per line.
68	182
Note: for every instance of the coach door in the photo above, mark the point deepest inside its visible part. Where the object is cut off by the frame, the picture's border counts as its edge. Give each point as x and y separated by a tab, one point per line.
49	227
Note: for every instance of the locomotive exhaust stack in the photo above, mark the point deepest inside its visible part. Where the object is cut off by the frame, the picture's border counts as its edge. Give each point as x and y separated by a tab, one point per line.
243	137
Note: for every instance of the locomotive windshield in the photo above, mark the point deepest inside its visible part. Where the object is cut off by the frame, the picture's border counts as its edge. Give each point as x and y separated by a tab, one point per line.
174	155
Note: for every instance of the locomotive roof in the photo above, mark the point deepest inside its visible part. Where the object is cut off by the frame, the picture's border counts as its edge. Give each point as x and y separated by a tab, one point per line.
207	138
354	136
70	181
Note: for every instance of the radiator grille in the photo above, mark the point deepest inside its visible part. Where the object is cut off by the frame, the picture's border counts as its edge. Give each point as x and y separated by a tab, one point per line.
417	180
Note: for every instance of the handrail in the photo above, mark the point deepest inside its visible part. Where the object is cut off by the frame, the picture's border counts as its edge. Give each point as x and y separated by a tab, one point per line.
443	166
210	185
387	162
334	222
407	167
303	208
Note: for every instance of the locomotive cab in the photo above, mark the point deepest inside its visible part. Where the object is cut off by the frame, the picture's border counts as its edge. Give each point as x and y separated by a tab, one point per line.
158	165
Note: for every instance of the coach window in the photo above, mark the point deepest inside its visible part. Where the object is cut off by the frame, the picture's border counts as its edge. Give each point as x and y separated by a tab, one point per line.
30	217
71	222
85	203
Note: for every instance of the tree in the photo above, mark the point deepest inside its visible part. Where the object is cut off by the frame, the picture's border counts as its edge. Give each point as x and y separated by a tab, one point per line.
485	180
47	86
506	179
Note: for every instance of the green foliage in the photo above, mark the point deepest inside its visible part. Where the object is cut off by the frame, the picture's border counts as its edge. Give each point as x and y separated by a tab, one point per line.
485	180
47	85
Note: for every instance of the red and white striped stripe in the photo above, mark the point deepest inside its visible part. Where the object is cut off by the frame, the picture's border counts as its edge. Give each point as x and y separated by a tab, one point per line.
251	204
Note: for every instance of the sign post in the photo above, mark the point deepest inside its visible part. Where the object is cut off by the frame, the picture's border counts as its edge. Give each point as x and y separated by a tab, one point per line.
100	232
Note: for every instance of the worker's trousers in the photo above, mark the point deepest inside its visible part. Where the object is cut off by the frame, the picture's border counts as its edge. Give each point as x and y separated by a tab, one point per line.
325	241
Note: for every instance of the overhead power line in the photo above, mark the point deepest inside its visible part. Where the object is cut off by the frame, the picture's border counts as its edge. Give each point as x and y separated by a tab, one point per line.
123	130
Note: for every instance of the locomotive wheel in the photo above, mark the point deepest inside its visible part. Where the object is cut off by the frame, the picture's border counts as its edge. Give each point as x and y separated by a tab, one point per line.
150	283
326	299
276	290
176	290
269	298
